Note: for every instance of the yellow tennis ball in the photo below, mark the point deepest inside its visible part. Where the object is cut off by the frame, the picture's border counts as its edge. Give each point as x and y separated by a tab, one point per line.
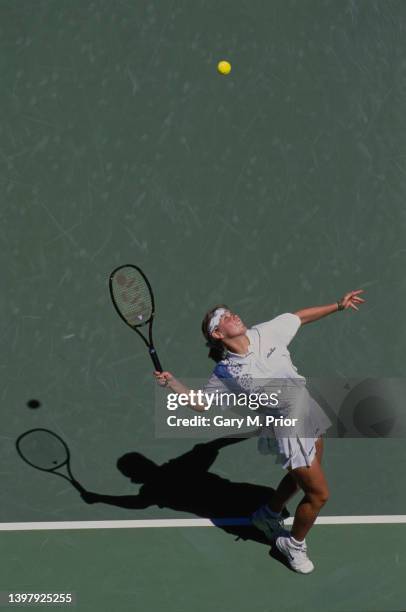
224	67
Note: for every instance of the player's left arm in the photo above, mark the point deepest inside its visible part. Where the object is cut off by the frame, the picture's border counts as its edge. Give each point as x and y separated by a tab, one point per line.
350	300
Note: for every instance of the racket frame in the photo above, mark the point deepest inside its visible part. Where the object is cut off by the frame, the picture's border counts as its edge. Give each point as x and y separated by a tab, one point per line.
148	342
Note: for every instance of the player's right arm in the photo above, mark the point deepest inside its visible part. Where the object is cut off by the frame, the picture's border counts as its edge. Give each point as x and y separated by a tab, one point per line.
132	502
166	379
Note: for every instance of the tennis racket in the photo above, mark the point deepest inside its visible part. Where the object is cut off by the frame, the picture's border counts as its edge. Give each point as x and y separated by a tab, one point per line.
133	300
44	450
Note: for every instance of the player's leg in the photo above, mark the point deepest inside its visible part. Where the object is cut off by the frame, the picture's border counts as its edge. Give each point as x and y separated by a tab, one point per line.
285	490
268	518
319	449
313	483
288	486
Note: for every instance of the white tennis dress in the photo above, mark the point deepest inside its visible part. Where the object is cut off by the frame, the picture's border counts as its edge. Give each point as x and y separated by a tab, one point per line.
268	359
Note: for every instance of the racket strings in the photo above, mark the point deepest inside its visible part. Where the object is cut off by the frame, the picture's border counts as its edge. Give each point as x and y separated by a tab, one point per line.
132	296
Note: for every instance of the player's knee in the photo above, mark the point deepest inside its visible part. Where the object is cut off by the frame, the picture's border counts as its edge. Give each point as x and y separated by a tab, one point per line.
323	496
319	498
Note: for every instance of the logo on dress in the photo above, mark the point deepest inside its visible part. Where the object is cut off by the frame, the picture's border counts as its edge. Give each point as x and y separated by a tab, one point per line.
270	352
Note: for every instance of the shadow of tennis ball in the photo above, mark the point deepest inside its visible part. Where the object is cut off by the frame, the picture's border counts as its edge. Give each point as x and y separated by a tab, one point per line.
367	412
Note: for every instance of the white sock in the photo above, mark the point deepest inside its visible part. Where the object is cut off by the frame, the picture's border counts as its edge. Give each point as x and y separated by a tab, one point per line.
297	542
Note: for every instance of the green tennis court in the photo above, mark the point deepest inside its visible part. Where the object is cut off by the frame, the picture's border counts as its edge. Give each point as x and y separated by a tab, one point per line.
276	187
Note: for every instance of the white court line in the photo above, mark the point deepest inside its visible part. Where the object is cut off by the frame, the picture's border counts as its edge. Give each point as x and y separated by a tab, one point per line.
159	523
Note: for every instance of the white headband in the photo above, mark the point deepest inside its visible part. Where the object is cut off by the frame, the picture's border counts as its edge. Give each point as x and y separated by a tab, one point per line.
215	319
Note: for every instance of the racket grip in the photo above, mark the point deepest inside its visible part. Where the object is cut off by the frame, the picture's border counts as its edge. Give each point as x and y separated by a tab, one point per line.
78	486
155	359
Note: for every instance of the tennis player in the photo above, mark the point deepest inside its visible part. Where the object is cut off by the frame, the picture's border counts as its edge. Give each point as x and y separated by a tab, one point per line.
247	354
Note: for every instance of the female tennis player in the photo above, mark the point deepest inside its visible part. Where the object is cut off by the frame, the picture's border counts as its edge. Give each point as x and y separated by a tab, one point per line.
247	354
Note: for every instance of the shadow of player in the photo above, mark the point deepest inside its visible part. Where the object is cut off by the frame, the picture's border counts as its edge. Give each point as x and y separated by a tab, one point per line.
185	484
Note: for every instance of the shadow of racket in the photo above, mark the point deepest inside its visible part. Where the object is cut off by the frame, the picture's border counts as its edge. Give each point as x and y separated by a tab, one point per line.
44	450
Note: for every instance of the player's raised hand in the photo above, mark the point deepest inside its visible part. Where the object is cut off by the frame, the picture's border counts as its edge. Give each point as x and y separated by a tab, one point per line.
163	378
351	299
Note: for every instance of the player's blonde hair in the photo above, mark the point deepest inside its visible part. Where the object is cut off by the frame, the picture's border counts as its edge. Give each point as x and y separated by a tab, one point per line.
217	348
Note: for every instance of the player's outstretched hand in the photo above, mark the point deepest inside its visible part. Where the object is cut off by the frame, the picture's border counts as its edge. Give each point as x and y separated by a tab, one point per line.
163	378
351	299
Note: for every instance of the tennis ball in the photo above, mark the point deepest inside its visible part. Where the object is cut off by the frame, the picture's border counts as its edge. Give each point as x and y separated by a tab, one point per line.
224	67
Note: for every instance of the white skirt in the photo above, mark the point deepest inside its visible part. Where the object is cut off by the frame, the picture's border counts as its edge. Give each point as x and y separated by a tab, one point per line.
294	449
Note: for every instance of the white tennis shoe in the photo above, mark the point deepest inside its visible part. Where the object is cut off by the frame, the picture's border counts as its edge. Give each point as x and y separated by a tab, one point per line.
272	527
296	555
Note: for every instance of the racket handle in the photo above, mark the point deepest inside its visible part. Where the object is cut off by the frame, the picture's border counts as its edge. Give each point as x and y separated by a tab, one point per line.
78	486
155	359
